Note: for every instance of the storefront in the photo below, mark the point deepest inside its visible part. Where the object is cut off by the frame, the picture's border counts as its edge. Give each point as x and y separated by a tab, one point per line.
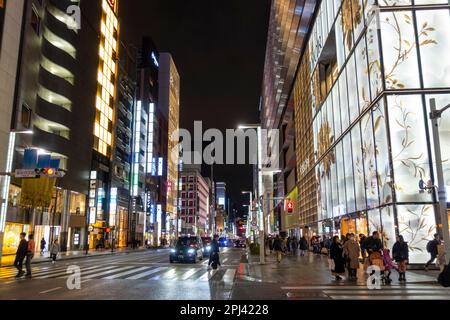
48	233
363	136
11	237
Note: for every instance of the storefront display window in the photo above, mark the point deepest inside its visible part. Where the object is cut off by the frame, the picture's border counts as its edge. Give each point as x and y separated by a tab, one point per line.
409	147
417	226
435	49
11	237
77	203
388	226
399	50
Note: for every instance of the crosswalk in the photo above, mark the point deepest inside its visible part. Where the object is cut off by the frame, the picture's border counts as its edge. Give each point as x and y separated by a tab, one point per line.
118	271
394	292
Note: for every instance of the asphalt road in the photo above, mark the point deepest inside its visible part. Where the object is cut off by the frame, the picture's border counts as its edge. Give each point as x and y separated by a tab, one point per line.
139	275
148	274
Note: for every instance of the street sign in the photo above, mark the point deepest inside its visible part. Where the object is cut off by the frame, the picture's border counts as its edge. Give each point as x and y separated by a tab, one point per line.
253	223
26	173
90	228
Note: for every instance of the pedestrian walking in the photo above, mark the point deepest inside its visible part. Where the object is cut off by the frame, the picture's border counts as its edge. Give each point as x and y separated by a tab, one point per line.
400	253
270	245
294	246
21	253
303	246
278	247
43	243
214	258
54	250
351	252
388	266
31	247
288	244
336	252
432	248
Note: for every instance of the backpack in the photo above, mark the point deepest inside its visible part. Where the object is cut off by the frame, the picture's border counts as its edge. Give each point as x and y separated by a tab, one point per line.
444	277
430	246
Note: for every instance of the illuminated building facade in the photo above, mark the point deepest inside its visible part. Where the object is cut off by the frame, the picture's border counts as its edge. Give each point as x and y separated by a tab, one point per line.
361	99
169	102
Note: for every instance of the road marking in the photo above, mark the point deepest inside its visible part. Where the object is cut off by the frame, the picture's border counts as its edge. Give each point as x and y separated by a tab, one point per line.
106	272
208	275
166	276
229	275
189	273
143	274
115	276
63	273
50	290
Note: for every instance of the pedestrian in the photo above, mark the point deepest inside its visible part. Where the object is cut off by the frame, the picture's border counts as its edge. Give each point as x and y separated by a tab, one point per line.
270	245
351	251
362	239
373	243
215	250
43	243
388	265
31	247
294	246
336	252
278	247
303	246
400	253
54	250
288	244
21	254
432	248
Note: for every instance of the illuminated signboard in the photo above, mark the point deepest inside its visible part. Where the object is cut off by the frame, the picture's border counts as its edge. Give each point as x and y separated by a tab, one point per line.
92	191
155	60
113	207
160	166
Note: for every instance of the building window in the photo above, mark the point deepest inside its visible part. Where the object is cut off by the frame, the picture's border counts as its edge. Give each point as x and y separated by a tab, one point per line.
35	21
25	117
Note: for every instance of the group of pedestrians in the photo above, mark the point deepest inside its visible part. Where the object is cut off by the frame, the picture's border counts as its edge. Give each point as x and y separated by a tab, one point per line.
25	251
290	245
345	255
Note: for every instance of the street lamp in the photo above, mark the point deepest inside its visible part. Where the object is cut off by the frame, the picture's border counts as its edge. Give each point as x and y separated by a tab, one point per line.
434	116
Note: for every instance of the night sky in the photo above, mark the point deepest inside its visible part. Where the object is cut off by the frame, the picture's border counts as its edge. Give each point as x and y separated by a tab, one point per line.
218	47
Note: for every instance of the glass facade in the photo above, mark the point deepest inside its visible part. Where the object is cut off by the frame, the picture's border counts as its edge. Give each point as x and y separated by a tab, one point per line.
361	104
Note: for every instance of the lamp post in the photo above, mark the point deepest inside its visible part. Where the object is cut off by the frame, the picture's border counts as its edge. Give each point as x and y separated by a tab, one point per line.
434	116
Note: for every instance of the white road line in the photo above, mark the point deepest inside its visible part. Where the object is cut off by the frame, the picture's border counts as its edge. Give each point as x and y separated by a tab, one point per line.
144	274
189	273
40	273
50	290
64	273
106	272
115	276
208	275
166	276
229	275
407	287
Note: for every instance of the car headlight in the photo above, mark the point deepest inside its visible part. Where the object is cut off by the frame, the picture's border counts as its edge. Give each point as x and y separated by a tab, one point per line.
208	248
191	250
173	250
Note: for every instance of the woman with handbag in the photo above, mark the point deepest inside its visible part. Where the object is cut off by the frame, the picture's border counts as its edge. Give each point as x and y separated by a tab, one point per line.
400	253
336	254
351	252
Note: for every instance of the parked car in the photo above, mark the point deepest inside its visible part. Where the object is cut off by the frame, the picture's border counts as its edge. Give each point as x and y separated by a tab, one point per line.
206	246
187	248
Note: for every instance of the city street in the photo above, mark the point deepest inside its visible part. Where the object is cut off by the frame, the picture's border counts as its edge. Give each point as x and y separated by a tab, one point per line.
148	275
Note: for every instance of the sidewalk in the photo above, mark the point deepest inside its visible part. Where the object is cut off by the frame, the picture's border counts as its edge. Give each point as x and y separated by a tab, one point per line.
8	260
313	270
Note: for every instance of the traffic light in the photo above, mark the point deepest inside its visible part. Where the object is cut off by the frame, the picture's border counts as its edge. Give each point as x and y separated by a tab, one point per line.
290	206
49	172
108	230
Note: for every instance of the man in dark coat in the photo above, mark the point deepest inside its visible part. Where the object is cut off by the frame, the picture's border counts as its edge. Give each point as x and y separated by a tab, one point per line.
21	254
373	243
432	248
215	250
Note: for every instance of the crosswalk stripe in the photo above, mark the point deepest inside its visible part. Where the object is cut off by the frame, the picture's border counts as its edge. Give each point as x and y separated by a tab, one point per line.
147	273
208	275
166	276
64	273
37	273
106	272
189	273
229	275
115	276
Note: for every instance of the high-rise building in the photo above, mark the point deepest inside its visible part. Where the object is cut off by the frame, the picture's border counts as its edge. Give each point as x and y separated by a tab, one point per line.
169	102
149	147
195	201
221	195
66	93
361	98
121	160
288	28
11	14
